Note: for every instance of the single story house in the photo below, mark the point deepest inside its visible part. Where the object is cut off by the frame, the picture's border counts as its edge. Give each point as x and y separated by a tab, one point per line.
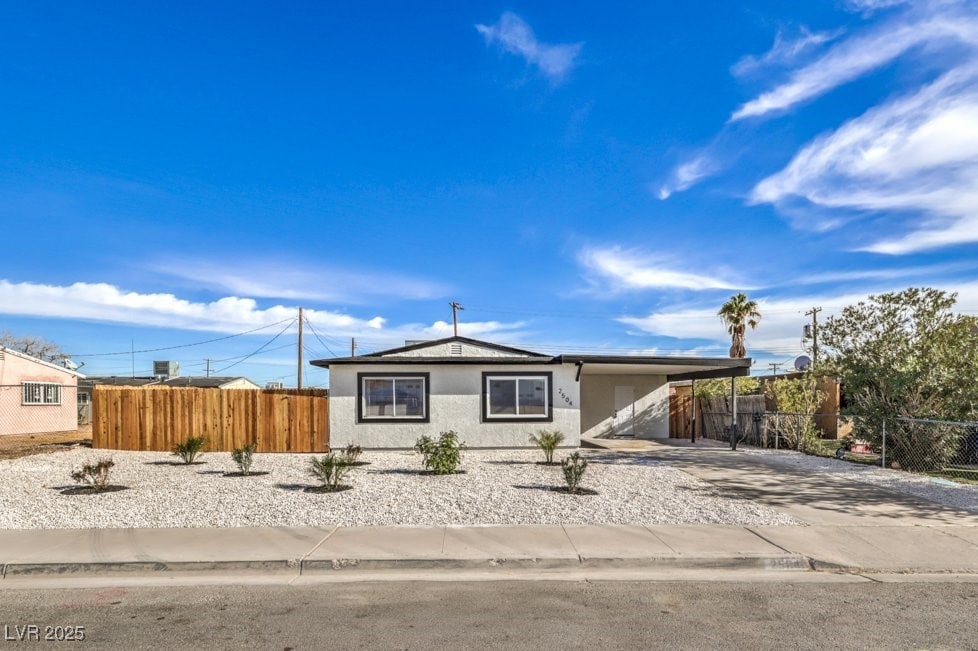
36	396
497	396
198	382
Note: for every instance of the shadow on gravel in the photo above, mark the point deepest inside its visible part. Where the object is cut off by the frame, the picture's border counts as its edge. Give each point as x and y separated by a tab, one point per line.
497	462
556	489
90	490
173	463
294	487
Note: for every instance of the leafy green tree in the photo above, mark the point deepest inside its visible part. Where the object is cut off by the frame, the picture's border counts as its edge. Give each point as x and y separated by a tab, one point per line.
907	355
737	314
720	387
798	399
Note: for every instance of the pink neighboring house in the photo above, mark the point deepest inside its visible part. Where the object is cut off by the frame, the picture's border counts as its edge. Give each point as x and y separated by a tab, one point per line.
36	396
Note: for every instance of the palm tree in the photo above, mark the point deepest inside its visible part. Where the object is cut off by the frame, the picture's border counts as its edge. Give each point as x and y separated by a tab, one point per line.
738	313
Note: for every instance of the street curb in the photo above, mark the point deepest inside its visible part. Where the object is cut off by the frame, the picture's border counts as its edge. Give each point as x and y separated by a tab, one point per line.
786	562
149	567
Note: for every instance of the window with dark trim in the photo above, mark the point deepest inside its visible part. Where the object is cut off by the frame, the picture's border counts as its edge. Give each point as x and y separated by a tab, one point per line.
392	397
517	396
41	393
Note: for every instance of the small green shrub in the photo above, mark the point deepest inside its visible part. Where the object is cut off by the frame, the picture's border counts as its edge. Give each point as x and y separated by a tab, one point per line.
95	475
329	469
351	453
189	450
573	467
244	457
441	457
548	442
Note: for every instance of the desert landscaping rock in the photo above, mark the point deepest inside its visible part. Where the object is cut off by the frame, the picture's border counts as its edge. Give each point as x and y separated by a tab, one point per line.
631	489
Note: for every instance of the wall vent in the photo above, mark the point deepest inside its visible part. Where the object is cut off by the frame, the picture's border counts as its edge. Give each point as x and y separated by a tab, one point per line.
455	350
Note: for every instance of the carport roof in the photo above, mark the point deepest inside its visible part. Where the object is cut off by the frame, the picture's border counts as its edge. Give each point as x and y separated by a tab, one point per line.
674	368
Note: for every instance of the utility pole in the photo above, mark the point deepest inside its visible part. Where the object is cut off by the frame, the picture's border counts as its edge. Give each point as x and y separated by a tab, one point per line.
774	367
814	314
298	370
456	306
207	373
353	346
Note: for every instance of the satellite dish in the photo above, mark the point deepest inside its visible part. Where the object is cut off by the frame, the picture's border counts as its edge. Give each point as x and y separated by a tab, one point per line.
802	362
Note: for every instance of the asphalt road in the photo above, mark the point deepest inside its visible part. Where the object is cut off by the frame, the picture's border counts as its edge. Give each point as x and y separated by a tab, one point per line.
534	615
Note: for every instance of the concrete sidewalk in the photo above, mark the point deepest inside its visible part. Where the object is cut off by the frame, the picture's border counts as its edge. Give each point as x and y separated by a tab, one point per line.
304	551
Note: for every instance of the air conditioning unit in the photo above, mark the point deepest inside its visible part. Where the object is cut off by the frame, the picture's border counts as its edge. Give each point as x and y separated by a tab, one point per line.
166	370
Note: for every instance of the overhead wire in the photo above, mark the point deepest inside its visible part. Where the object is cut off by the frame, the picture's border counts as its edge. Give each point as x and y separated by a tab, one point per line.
261	348
314	332
196	343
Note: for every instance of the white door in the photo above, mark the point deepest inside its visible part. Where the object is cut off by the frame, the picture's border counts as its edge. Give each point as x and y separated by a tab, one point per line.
624	420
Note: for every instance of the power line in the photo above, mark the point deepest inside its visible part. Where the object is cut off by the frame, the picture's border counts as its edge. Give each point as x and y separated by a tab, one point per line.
197	343
316	334
265	345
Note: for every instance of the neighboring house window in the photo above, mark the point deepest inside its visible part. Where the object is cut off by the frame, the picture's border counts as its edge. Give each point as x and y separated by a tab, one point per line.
41	393
393	397
516	396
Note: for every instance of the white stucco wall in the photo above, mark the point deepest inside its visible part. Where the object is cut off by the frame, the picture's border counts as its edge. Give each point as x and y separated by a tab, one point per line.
445	350
455	404
651	419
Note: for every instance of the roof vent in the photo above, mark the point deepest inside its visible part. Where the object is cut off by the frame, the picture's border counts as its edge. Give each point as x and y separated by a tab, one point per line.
455	350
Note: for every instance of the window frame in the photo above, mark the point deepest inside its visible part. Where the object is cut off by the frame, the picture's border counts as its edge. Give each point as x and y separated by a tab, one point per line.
546	417
42	392
364	418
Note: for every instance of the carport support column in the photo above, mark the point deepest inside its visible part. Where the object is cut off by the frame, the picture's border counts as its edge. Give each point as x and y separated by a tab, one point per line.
733	413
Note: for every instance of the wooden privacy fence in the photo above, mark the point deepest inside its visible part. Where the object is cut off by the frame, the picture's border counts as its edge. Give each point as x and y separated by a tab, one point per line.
157	418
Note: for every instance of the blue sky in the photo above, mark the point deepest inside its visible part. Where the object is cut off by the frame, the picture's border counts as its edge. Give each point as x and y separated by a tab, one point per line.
580	179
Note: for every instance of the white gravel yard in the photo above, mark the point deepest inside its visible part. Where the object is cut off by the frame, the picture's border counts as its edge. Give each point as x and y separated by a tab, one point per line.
498	487
953	494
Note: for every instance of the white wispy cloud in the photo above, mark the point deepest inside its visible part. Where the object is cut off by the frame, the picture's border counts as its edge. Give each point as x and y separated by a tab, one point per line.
870	6
513	35
785	50
779	332
613	269
284	279
914	157
917	273
859	55
688	174
108	303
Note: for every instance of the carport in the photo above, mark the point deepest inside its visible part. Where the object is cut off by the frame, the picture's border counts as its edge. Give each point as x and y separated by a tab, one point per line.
628	395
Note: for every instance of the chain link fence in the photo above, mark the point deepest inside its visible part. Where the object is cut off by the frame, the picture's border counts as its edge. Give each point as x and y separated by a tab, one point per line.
40	408
936	447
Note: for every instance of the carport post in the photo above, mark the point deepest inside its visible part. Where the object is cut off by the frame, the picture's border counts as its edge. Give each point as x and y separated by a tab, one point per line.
733	413
692	390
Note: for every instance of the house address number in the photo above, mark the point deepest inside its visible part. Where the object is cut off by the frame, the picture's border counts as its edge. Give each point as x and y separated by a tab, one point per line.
566	398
